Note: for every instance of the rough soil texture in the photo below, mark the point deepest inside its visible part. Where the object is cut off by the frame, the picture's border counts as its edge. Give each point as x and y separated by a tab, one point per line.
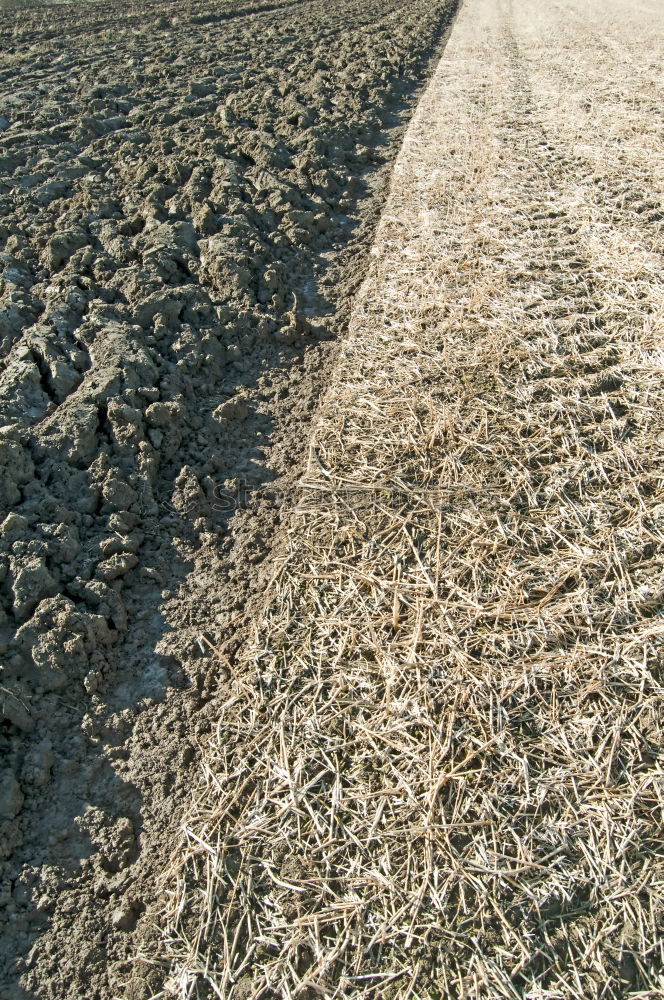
438	770
187	195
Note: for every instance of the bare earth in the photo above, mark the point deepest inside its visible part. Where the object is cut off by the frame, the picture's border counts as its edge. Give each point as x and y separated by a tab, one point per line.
187	196
438	772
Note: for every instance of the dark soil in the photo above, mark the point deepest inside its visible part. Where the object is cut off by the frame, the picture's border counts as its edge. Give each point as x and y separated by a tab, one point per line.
187	196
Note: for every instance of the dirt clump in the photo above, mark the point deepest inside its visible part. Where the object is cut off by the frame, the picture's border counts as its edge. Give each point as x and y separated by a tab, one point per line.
186	198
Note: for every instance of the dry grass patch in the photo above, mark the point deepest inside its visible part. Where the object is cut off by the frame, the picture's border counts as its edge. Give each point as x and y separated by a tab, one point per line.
438	773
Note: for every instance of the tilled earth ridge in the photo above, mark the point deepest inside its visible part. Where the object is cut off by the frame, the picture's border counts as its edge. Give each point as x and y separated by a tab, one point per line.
187	193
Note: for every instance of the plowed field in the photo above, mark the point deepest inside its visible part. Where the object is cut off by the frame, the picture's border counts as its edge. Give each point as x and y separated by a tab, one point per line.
187	196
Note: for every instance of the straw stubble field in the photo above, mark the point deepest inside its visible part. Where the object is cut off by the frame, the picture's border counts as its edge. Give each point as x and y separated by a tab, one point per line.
437	771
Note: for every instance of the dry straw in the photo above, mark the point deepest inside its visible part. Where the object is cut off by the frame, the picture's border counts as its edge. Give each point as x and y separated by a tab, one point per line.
438	773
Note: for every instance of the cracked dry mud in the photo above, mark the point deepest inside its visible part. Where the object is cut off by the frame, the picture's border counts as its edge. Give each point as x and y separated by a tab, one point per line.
187	193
